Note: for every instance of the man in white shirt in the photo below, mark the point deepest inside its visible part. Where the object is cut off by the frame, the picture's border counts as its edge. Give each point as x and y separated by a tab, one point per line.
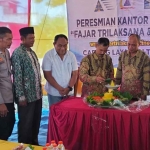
60	70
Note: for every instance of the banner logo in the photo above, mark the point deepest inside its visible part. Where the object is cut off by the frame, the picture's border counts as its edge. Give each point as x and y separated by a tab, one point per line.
146	4
126	5
101	4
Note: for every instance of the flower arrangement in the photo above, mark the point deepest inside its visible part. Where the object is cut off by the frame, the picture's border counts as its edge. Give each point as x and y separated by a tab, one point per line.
114	98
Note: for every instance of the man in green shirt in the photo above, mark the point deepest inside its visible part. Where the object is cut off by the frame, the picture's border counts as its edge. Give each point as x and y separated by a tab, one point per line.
133	72
95	68
27	87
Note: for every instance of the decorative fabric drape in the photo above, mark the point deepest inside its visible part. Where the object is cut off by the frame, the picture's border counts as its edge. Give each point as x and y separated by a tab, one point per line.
81	127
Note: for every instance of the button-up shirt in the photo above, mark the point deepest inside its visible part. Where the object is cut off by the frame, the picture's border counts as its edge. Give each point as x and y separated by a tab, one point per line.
91	67
6	94
141	64
61	69
26	74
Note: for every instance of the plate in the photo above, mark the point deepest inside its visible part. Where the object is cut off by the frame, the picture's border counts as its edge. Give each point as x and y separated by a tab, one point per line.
105	107
112	87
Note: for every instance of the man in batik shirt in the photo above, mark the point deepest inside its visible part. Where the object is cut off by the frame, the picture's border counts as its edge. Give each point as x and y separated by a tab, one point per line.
27	84
133	72
96	68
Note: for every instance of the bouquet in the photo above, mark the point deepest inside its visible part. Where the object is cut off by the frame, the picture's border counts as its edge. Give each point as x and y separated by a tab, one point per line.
114	98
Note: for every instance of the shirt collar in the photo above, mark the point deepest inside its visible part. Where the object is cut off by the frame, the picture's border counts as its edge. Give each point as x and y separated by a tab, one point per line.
136	55
24	48
96	57
55	53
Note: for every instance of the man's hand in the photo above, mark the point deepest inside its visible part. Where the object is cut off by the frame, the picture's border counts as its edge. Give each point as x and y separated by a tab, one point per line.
100	79
61	90
105	89
23	103
3	110
143	97
65	91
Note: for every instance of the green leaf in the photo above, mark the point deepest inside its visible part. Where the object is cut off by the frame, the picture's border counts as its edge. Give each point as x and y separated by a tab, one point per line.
106	103
127	95
97	94
31	147
117	94
93	102
108	80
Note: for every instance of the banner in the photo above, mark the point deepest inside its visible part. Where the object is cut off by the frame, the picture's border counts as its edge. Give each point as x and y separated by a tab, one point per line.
116	20
14	14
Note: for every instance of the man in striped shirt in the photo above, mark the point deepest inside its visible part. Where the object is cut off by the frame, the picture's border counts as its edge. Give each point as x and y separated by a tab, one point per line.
133	72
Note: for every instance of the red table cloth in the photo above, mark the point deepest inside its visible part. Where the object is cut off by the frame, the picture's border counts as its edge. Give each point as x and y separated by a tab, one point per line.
81	127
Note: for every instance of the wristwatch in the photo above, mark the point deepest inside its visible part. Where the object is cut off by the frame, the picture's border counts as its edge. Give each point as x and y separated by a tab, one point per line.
70	88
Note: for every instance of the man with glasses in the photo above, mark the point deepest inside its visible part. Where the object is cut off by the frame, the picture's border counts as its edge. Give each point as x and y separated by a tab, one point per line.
96	68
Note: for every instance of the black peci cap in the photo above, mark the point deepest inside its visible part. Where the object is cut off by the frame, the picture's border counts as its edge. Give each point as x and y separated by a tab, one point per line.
26	30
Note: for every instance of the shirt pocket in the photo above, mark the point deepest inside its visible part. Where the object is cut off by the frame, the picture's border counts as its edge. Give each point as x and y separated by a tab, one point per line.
1	60
3	70
68	66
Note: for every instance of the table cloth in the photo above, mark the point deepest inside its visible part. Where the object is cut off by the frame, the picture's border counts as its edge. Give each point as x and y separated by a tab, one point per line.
81	127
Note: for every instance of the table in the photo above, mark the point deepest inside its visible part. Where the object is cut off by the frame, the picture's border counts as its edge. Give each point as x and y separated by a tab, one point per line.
81	127
6	145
